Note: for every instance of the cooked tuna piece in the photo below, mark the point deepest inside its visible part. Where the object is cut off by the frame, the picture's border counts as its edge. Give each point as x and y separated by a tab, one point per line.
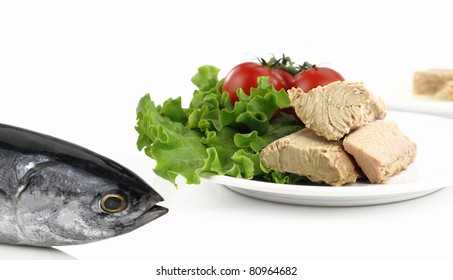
307	154
334	110
380	149
446	92
429	82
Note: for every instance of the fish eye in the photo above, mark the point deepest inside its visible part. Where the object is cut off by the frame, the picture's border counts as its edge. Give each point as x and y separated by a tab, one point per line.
113	203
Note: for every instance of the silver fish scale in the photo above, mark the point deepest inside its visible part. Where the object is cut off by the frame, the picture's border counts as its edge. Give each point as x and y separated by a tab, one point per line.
13	166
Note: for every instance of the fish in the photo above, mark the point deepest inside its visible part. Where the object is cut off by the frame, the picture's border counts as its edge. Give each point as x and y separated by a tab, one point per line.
56	193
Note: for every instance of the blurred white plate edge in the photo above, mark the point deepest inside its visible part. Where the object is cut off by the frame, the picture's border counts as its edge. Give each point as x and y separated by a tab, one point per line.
438	108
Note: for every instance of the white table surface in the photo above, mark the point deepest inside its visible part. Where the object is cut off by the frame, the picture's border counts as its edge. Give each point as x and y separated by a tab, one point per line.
76	70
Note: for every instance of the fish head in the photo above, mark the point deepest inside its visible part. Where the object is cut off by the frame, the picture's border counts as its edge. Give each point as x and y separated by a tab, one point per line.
66	204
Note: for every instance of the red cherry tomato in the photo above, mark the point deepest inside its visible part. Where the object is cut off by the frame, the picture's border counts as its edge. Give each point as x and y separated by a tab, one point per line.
317	76
245	76
286	77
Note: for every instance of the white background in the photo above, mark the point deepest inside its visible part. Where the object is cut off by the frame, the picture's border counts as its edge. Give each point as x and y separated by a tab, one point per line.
76	70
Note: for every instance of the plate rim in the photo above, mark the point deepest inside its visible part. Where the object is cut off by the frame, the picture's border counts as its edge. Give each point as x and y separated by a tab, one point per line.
417	106
346	191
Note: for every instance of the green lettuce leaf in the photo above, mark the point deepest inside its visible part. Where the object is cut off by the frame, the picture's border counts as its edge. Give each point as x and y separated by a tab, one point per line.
164	135
213	135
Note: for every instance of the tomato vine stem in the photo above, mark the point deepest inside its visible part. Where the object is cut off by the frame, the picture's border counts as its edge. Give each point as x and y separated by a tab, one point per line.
286	64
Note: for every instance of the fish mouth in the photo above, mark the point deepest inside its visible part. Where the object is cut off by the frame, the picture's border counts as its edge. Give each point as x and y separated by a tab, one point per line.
155	212
149	215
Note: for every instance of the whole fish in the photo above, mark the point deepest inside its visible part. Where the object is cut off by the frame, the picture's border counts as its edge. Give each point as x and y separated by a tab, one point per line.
53	192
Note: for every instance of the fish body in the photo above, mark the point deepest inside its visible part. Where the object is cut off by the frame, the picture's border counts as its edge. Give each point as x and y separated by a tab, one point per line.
54	193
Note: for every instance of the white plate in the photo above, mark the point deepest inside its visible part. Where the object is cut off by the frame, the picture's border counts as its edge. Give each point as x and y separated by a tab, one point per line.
438	108
431	171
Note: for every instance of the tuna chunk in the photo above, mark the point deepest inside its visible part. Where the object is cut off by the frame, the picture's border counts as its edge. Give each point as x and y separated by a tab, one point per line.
429	82
334	110
446	92
380	149
307	154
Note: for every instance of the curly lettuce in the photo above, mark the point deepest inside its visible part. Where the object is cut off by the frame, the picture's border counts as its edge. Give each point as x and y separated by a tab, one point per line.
212	135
